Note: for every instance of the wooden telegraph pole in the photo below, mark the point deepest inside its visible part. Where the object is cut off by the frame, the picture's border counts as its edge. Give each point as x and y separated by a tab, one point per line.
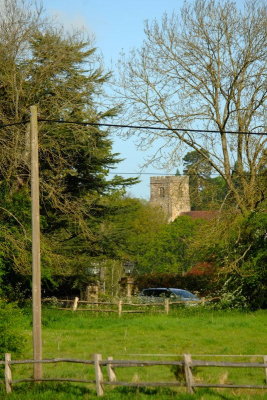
36	263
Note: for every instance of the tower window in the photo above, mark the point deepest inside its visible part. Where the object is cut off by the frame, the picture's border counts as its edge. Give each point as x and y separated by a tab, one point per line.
161	192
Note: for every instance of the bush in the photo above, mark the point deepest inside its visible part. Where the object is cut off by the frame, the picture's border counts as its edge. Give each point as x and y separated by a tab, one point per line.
241	292
203	284
11	322
232	299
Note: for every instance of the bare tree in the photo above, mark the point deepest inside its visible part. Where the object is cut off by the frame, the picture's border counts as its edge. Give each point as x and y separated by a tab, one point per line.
205	69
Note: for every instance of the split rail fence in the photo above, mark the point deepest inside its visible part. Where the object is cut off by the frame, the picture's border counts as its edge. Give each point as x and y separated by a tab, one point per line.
121	307
186	364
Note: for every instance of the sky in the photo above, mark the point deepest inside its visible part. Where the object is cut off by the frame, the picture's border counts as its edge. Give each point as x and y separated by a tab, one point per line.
116	25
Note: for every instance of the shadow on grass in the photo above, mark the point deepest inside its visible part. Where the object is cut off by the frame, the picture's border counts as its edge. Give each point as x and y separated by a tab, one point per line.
160	394
48	391
68	391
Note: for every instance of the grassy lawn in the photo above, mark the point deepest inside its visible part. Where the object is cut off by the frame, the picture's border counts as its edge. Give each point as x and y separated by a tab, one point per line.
196	331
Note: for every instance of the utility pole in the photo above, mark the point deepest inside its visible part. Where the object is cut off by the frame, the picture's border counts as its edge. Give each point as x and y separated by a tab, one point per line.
36	259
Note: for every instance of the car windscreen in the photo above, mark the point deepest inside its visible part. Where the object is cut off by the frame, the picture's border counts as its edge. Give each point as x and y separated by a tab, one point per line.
183	293
155	292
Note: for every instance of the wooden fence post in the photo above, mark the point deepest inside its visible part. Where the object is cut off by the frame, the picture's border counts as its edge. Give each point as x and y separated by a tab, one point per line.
167	306
188	373
120	307
98	375
265	362
111	373
8	374
75	303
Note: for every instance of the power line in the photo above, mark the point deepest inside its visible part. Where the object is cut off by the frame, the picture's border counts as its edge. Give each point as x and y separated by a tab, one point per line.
153	173
136	127
158	128
14	124
162	174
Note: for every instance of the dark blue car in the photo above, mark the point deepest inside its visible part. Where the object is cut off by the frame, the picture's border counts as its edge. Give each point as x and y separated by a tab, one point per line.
159	294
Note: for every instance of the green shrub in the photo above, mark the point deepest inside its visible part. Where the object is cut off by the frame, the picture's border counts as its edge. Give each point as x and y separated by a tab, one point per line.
11	322
204	284
232	296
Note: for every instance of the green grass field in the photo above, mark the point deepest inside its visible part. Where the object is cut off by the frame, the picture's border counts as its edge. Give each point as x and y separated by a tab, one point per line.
196	331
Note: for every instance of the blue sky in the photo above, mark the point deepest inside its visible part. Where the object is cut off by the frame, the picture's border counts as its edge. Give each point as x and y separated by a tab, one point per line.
116	25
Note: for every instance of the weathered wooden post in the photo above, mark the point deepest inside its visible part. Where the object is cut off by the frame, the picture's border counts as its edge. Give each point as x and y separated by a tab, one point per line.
36	260
120	307
111	373
167	306
188	373
8	374
98	375
75	304
265	362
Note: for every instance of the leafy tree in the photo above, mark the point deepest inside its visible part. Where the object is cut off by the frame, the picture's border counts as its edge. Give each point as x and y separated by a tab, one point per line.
168	250
196	164
62	73
245	271
205	192
204	69
12	339
125	234
134	228
237	246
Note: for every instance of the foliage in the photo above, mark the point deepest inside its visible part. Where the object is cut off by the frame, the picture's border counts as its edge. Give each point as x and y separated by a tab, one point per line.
202	268
249	259
237	245
232	296
132	229
205	285
206	193
11	338
227	258
167	251
204	68
196	164
62	73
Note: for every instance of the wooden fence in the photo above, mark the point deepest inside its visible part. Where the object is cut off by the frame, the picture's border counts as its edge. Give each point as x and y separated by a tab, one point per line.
119	306
186	364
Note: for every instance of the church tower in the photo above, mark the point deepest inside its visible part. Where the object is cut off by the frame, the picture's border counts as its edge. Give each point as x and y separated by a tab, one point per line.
171	193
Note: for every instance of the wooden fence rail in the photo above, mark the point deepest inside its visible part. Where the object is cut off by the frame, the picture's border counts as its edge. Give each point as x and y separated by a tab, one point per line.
186	363
164	306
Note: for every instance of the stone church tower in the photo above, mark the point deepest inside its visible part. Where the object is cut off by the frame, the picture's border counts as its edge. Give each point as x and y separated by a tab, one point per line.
171	193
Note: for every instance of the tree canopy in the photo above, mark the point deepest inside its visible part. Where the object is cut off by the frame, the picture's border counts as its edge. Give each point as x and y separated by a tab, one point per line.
206	192
61	73
167	251
205	69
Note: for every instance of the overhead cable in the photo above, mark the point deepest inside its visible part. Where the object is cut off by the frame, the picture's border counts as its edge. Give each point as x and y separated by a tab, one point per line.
158	128
14	124
187	174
